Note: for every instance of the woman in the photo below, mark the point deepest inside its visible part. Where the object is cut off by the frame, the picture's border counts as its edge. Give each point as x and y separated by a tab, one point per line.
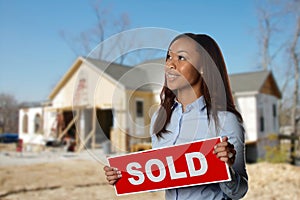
196	103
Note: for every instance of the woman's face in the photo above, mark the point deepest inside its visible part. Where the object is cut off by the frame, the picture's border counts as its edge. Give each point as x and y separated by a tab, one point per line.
180	71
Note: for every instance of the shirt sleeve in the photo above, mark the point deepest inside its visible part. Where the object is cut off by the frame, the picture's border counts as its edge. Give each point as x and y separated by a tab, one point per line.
238	186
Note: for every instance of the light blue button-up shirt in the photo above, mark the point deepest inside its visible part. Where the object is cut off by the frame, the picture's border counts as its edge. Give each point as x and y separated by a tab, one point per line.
193	125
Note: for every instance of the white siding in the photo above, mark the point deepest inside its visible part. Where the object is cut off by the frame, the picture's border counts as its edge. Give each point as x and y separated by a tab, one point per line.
265	109
100	91
64	97
71	94
247	107
30	136
270	123
49	122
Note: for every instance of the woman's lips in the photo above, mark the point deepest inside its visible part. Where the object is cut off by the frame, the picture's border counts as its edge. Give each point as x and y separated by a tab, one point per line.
172	76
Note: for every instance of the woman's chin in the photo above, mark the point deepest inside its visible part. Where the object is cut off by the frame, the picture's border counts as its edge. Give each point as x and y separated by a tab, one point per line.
172	87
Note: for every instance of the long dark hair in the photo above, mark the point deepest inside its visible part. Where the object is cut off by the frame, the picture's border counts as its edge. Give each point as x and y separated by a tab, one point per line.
215	86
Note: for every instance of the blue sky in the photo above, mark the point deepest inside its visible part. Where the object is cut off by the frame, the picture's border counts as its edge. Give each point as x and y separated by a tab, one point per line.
34	56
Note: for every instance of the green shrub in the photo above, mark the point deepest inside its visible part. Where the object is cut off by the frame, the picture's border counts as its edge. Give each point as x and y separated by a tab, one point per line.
276	152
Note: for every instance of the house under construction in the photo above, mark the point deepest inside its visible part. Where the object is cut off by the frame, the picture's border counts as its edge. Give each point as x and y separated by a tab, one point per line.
96	102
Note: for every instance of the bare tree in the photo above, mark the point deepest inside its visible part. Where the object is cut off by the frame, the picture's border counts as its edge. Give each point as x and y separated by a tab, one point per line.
295	57
271	15
8	113
268	20
106	25
265	31
289	107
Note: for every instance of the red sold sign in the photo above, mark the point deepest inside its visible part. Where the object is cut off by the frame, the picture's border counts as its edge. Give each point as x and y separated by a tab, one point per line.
177	166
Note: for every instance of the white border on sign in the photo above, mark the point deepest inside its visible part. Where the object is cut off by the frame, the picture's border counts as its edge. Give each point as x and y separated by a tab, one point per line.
156	190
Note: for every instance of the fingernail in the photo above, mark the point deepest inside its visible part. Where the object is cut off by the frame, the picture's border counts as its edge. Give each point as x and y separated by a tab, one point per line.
119	175
115	169
118	172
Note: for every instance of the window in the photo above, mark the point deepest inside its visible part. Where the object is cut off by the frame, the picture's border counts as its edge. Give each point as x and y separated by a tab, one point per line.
262	123
139	108
274	109
25	123
37	123
261	120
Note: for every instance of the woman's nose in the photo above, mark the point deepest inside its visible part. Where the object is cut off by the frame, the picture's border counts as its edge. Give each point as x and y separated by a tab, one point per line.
170	64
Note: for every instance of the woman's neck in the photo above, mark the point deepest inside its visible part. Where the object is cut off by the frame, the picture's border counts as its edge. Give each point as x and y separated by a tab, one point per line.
187	96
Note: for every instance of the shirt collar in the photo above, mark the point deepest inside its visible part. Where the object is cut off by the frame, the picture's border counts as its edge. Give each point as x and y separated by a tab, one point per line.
199	104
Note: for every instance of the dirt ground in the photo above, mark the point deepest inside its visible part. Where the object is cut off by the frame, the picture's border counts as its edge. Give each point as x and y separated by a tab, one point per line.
54	175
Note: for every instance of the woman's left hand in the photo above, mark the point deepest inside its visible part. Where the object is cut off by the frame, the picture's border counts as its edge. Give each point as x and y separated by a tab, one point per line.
225	151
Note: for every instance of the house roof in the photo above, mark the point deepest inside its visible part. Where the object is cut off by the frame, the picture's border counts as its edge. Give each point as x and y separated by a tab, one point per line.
251	81
140	77
116	71
152	72
259	81
149	76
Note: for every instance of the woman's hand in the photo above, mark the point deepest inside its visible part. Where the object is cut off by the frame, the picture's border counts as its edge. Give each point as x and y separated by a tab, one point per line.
225	151
112	174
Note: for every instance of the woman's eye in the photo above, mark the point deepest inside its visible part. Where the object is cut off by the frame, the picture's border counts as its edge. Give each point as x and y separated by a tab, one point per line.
181	58
169	57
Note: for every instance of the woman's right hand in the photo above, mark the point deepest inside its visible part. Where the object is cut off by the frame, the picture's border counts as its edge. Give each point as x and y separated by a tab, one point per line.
112	174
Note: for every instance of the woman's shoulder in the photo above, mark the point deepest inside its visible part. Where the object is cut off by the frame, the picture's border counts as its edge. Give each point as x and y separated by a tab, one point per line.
226	115
228	120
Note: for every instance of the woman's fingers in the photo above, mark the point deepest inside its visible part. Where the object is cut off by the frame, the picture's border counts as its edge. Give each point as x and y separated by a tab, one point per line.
112	174
112	182
225	139
107	168
222	154
225	151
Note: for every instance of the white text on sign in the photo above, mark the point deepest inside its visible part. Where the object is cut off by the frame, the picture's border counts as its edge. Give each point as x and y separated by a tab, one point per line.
133	169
